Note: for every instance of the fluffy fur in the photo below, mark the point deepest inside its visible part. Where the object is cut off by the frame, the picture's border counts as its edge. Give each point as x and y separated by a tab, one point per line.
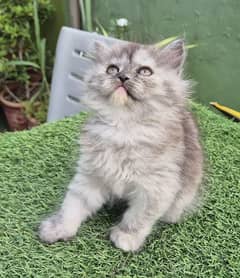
141	145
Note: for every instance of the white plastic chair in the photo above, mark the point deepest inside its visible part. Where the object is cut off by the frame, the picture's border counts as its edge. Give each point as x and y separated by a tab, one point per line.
71	62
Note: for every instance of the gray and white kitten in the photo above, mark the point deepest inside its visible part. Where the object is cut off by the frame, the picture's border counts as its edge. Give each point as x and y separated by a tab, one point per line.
141	145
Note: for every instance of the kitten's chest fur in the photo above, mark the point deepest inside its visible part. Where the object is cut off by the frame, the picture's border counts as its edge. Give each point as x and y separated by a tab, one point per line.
124	153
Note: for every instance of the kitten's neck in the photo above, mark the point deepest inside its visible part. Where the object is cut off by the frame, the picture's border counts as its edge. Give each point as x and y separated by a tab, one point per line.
121	117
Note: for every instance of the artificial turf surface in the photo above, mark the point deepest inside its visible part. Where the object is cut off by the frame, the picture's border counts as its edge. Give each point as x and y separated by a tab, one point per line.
35	168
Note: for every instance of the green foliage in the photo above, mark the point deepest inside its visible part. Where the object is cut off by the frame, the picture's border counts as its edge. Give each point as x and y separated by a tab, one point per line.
86	14
114	29
36	167
37	105
37	109
16	36
171	39
27	50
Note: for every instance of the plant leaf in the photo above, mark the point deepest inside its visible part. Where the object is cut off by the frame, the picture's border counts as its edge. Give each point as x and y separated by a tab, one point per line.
191	46
88	10
42	54
166	41
102	29
36	23
83	13
22	63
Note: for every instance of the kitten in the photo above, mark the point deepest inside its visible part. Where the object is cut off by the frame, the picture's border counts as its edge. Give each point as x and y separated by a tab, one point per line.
141	145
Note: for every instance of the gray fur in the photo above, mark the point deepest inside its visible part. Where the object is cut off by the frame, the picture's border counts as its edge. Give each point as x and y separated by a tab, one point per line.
143	148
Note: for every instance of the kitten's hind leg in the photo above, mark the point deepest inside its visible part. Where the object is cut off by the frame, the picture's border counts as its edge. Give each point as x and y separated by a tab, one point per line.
83	198
185	202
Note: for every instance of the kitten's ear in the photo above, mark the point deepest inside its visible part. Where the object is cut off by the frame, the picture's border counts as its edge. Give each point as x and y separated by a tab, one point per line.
100	50
174	55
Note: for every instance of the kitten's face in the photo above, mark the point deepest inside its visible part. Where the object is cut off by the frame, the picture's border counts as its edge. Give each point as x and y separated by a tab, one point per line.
131	74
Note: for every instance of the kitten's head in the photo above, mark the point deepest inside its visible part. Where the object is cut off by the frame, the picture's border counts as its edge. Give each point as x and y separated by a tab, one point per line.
130	76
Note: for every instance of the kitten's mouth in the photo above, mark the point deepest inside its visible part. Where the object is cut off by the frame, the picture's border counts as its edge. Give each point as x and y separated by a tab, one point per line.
121	95
122	90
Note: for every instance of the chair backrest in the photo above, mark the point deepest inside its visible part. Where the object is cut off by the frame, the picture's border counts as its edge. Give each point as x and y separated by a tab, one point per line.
71	62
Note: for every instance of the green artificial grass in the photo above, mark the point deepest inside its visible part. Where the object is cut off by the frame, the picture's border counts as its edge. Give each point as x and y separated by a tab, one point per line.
35	168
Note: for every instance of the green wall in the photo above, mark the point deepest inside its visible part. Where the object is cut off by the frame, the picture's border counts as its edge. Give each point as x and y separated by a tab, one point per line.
212	24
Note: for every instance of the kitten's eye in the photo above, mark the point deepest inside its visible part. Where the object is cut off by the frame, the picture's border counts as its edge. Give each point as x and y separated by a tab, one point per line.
112	69
145	71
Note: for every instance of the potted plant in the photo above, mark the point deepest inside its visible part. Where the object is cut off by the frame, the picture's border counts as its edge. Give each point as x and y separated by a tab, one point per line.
24	87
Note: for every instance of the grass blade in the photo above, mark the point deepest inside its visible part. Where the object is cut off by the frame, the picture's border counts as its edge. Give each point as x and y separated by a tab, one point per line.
166	41
189	46
102	29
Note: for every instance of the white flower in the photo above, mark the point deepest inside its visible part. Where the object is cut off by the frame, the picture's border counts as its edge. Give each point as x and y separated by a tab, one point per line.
122	22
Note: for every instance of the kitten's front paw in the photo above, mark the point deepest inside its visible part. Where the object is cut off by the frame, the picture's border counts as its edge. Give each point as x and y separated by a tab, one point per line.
52	229
126	241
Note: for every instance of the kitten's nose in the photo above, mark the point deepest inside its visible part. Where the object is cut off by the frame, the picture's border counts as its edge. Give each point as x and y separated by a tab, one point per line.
123	77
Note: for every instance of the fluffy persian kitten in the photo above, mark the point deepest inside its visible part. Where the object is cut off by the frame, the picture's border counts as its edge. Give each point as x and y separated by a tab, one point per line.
141	145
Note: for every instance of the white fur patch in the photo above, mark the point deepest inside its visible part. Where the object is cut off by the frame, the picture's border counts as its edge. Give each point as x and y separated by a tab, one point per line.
142	57
127	241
